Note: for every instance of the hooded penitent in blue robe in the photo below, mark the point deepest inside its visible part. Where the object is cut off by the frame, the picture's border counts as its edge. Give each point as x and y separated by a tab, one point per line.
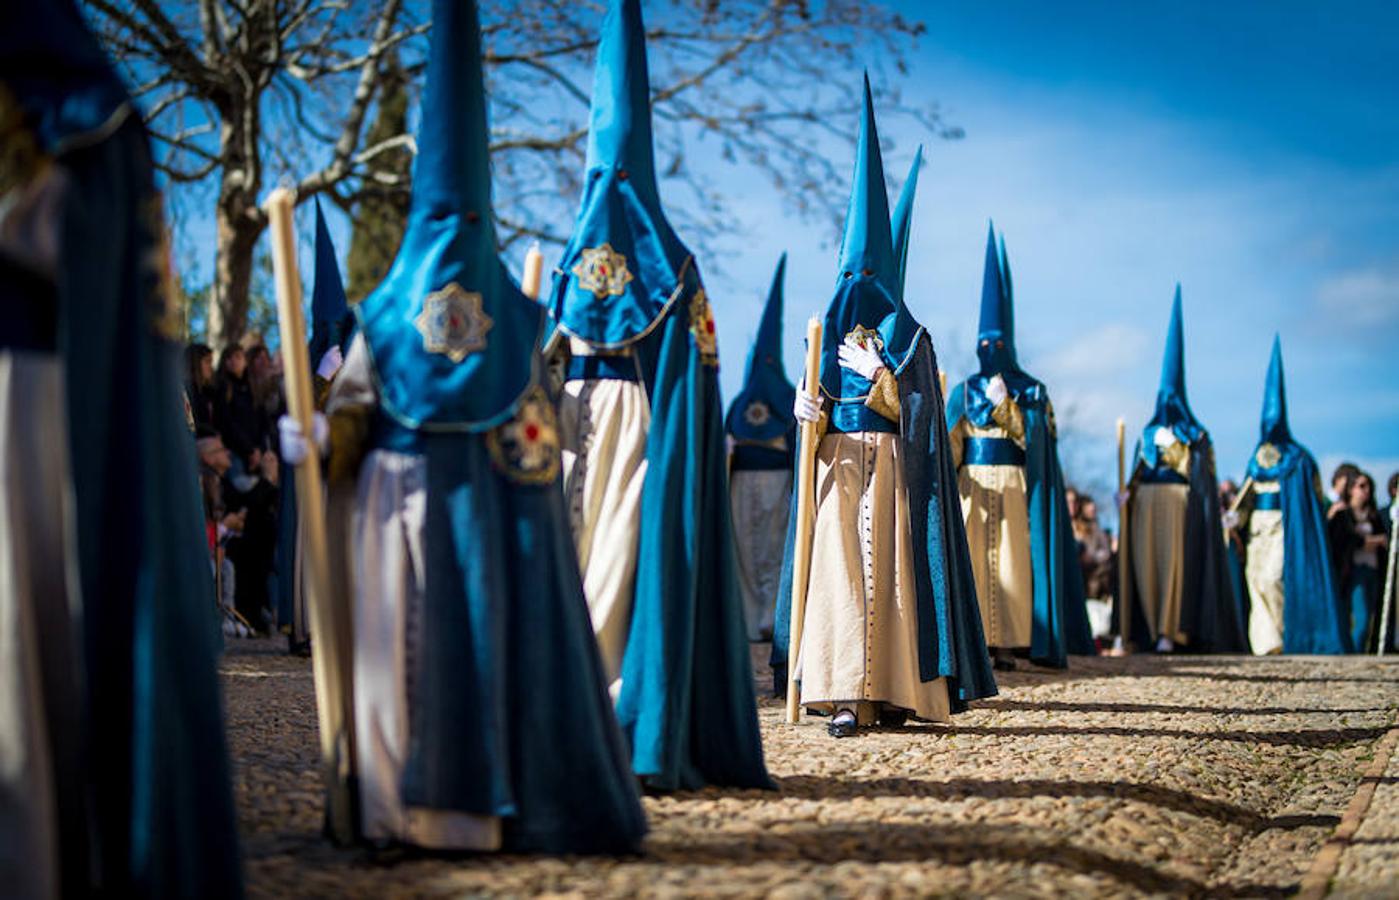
869	289
147	810
1312	616
508	713
628	284
761	430
332	325
1059	615
761	412
1211	617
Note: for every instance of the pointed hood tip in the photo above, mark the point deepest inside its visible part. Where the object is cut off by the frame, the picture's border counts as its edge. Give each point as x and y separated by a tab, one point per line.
619	132
867	245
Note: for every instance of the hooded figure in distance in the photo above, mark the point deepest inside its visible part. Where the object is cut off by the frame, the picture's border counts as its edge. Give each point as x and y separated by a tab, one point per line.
1005	444
1178	591
1281	514
762	437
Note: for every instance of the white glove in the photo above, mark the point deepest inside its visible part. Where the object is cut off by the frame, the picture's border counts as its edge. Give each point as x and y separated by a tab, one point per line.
860	360
1163	438
294	449
1231	520
330	364
1121	498
996	390
807	408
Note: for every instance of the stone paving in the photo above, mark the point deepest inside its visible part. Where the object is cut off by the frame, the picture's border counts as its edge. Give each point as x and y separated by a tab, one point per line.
1204	776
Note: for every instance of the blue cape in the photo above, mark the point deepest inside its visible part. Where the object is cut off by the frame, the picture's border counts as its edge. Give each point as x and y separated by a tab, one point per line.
153	813
506	670
1060	616
762	410
1313	620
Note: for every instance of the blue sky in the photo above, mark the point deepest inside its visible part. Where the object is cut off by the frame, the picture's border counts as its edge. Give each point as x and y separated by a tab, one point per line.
1250	153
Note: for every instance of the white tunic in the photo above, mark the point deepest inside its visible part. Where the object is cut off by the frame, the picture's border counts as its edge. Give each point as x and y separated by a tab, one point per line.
1263	574
602	432
385	565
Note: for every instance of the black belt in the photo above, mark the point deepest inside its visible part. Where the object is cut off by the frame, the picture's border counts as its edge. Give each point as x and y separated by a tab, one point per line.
28	309
600	368
756	458
992	451
852	417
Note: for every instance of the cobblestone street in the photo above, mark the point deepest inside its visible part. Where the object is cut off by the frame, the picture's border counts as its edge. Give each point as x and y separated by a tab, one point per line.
1147	775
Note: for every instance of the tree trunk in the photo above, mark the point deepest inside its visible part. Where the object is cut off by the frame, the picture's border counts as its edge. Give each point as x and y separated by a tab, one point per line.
238	219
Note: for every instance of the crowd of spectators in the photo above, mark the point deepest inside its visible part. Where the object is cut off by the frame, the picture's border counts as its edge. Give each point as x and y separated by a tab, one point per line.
232	410
1357	530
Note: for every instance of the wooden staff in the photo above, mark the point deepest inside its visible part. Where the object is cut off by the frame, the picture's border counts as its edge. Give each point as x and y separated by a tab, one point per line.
806	510
534	272
330	627
942	383
1119	644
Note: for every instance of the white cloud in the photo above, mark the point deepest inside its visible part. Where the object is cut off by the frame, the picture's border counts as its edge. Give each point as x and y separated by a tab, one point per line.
1367	297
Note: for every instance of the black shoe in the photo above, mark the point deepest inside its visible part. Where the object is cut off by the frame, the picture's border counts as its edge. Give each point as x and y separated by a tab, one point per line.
1003	663
893	718
843	725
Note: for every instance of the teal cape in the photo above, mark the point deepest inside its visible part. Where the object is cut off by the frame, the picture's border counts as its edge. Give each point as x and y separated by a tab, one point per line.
506	671
1211	614
1313	621
869	293
1059	614
686	703
154	811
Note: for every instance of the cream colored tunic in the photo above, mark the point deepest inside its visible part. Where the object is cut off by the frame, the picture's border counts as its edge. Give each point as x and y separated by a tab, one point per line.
40	626
1263	574
1157	536
602	432
761	501
385	566
995	508
860	640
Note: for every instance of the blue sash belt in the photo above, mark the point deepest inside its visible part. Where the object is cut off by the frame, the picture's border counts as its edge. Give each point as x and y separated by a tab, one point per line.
854	416
1163	475
28	309
755	458
595	368
1268	500
387	434
992	451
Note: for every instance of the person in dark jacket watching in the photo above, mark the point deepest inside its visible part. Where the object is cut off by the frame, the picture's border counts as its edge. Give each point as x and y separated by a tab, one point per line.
1358	548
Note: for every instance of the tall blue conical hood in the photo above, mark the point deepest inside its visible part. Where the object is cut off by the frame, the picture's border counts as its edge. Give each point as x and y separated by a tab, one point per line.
332	323
867	247
903	221
868	286
995	337
451	334
1172	406
1006	281
1274	428
623	264
765	381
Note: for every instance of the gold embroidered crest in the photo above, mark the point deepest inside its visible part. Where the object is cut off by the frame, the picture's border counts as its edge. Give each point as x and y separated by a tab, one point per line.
864	338
526	449
1267	456
703	328
603	271
453	323
757	414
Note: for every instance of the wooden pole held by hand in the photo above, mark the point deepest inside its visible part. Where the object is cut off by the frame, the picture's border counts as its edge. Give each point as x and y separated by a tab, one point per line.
806	510
330	634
